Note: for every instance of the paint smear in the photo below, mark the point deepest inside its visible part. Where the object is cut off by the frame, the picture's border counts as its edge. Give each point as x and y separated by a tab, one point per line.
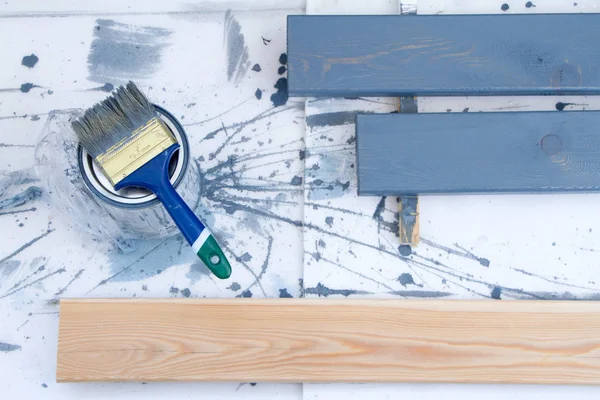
121	52
6	347
237	52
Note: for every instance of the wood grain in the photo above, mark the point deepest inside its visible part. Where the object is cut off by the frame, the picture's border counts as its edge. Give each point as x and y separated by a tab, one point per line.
391	55
312	340
408	206
408	214
478	152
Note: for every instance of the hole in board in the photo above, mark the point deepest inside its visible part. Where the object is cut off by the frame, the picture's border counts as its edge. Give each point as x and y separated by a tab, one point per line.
214	259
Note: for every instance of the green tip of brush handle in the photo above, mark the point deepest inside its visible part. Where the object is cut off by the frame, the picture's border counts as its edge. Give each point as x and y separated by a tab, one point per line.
212	256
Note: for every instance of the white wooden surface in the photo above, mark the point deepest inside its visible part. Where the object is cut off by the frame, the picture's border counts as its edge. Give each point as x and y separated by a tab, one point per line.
540	245
247	149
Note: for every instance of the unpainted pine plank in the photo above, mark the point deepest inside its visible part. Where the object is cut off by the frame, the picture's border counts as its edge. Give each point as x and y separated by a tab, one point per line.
478	152
324	340
391	55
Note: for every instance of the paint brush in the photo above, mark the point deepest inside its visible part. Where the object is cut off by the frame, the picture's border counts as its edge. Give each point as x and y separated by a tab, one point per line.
133	147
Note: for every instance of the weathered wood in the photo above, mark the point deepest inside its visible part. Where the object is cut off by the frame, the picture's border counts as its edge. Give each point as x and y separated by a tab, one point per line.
478	152
408	206
389	55
348	340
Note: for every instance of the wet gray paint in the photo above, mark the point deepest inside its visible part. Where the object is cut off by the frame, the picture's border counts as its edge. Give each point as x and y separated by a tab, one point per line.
30	61
6	347
186	292
283	294
121	52
258	94
237	52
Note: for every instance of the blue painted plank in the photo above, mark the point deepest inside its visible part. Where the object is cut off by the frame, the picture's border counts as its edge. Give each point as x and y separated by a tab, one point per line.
389	55
401	154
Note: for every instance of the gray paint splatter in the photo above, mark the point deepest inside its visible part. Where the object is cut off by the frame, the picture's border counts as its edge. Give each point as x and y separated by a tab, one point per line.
26	245
237	52
333	118
281	96
30	61
186	292
107	87
407	279
174	290
29	194
26	87
283	294
64	289
421	294
6	347
405	250
322	290
496	292
120	52
296	181
234	286
256	68
245	294
258	94
464	253
329	221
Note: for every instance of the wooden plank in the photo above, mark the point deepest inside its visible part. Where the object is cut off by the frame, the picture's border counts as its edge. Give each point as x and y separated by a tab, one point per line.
478	152
408	206
350	340
408	218
389	55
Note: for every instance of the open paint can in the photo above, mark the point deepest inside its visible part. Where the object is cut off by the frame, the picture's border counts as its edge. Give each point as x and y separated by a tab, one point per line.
132	197
77	187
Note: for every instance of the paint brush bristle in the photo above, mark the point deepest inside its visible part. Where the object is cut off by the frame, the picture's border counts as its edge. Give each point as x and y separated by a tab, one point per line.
113	119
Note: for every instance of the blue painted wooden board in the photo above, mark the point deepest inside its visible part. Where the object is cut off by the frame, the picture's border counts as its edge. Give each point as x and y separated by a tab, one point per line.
387	55
400	154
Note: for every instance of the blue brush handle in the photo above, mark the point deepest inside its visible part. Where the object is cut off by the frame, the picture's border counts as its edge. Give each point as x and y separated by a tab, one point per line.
154	176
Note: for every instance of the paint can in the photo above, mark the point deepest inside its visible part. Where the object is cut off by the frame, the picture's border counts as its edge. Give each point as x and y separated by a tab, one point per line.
79	190
135	198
